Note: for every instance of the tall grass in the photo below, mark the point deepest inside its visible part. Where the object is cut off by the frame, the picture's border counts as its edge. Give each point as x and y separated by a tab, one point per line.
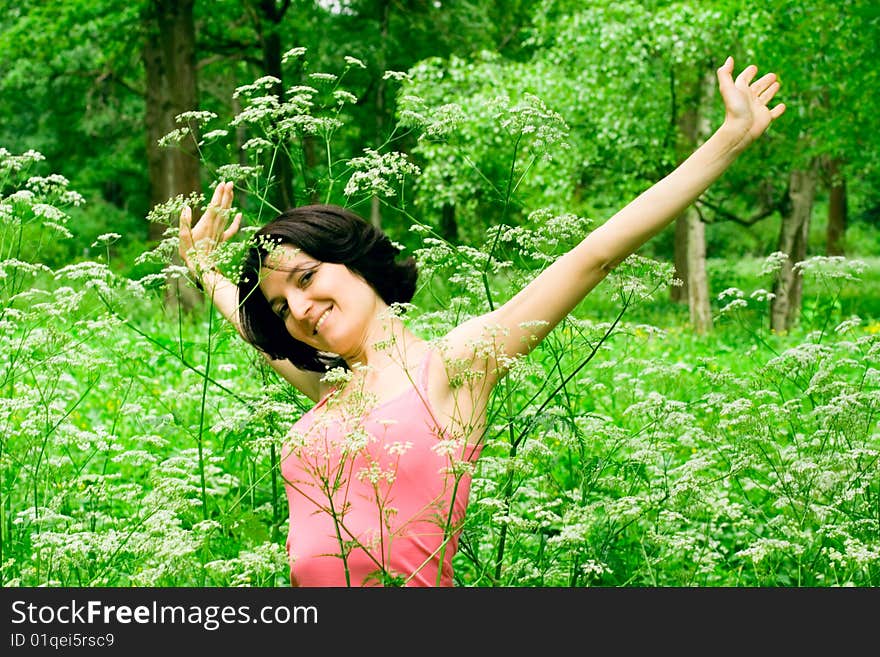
140	448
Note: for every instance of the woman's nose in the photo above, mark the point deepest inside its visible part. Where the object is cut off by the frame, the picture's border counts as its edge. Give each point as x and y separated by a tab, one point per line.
299	305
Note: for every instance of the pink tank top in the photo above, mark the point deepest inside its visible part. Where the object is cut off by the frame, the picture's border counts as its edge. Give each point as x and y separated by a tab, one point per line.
383	492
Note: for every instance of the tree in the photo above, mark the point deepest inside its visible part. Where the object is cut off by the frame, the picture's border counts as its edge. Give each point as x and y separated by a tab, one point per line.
171	90
690	235
71	89
629	80
788	286
837	207
825	54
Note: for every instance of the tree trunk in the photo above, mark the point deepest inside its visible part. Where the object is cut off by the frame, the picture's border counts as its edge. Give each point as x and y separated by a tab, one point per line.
169	59
697	280
170	63
448	223
383	15
788	287
267	16
690	232
837	209
376	212
679	293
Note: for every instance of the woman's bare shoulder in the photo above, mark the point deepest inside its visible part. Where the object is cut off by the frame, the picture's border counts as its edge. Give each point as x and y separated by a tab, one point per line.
467	355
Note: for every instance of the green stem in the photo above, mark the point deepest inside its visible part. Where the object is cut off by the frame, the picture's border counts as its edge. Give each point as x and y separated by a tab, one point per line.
186	363
204	398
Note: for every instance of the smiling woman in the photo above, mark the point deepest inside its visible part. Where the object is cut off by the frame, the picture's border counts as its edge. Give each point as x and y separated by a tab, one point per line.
378	472
302	262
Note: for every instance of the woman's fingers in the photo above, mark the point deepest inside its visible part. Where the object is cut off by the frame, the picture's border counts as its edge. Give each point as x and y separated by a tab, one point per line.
185	242
221	200
746	75
765	82
726	84
186	219
725	72
226	202
768	93
777	111
197	242
218	195
209	228
233	229
185	226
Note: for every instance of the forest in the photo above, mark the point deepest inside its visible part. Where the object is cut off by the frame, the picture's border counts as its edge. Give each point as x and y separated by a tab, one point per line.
707	417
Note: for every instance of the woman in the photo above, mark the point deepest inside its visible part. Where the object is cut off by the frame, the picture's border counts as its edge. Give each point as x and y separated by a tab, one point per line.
378	471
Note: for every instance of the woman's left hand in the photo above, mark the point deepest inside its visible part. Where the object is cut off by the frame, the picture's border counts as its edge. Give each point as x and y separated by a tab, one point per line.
198	242
746	103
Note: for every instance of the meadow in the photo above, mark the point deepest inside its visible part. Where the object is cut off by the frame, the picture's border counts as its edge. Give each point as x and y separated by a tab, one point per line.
140	443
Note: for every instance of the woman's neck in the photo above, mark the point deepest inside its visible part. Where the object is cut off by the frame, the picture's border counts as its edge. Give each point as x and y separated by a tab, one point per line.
390	343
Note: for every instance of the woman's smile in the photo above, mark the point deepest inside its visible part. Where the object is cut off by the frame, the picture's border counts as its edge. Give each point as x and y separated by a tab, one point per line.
321	320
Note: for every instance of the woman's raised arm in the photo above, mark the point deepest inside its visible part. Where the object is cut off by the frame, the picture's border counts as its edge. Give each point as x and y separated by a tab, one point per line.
554	293
197	244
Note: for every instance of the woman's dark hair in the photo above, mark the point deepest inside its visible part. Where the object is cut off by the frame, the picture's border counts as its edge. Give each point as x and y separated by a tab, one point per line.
328	233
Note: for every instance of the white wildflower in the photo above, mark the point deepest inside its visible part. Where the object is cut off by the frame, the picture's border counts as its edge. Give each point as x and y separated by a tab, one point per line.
342	96
195	117
734	292
762	295
294	53
106	239
773	263
398	447
260	85
374	172
354	61
213	134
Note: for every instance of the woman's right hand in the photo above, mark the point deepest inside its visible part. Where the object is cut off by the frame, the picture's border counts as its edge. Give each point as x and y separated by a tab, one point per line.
747	104
198	242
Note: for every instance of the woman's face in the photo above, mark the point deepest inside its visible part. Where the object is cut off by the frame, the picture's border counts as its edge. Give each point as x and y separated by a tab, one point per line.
322	304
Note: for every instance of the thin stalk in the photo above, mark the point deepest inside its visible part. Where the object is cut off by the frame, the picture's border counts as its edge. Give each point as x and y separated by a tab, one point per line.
276	499
516	440
50	430
507	494
204	395
828	315
572	374
506	208
329	170
186	363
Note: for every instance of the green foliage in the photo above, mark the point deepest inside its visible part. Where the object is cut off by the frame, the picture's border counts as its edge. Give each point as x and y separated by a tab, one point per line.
139	448
619	454
70	91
